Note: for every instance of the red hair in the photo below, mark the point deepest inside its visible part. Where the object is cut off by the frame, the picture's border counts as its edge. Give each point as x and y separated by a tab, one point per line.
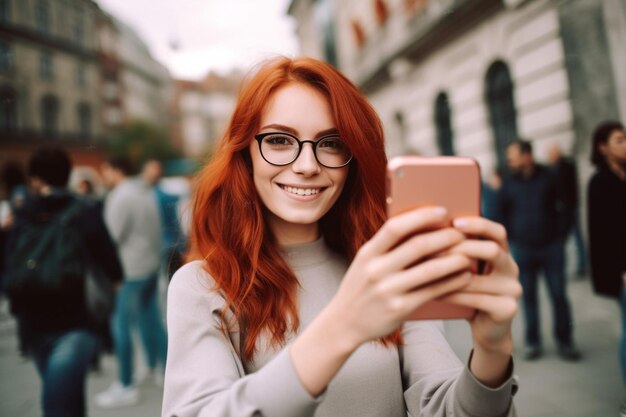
229	231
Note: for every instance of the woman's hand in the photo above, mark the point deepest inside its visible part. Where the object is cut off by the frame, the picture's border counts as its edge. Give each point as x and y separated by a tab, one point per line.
494	294
384	284
396	272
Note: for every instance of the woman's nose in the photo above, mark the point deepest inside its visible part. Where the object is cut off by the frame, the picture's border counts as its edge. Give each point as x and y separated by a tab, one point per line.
306	163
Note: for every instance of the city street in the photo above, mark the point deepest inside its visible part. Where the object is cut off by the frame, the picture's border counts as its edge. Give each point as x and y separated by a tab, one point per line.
549	387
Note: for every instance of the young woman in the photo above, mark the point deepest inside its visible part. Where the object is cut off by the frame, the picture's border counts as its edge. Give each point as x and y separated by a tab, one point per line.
298	307
606	205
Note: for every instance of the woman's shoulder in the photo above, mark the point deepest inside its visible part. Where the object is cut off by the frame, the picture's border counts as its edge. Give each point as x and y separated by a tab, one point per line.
193	283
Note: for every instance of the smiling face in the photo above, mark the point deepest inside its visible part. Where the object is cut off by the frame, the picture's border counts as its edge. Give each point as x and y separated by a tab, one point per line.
297	195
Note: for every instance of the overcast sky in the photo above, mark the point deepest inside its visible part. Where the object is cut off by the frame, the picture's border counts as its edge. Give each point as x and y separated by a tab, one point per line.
210	34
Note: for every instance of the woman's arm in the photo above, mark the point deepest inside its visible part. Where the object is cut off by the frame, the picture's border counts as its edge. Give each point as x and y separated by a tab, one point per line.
494	294
438	384
379	291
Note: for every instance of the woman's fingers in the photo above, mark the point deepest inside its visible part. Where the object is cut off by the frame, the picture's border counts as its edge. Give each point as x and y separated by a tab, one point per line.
399	227
426	273
417	248
437	290
489	251
500	309
481	227
493	285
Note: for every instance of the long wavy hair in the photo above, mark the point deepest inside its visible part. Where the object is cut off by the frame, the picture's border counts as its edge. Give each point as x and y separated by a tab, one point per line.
229	230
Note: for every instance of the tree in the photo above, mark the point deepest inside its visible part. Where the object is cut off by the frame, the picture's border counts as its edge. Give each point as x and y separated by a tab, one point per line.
139	141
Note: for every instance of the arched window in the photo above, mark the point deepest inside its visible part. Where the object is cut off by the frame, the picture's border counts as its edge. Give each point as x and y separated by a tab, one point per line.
8	109
381	11
358	33
502	114
42	15
49	115
443	123
84	120
401	127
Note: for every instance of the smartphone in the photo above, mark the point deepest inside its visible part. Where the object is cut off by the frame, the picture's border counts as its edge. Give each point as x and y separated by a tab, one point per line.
451	182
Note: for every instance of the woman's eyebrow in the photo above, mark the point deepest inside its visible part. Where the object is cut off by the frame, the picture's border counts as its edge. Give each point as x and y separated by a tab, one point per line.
282	128
294	132
327	132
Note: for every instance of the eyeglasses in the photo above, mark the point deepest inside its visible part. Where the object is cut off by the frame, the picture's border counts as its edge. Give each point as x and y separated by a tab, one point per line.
278	148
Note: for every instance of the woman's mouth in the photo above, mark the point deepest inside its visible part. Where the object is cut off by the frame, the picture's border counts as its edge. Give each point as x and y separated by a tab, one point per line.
300	191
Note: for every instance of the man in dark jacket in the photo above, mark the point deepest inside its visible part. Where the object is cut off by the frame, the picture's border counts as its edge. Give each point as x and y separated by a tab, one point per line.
55	328
536	222
567	180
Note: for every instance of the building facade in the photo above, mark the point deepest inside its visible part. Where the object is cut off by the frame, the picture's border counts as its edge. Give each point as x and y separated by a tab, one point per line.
49	71
72	74
201	111
465	77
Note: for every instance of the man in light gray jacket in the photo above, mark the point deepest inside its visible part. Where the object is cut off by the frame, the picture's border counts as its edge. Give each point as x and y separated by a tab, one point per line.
132	217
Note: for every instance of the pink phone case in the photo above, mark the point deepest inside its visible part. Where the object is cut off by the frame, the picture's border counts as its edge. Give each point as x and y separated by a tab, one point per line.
452	182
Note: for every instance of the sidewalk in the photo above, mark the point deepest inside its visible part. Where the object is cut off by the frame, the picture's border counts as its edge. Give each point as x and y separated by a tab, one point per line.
548	387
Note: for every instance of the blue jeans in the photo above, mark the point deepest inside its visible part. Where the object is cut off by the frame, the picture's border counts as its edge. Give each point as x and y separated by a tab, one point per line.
622	345
137	305
549	258
62	360
581	252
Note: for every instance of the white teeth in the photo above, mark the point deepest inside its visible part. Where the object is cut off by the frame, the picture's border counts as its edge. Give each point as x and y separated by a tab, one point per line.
301	191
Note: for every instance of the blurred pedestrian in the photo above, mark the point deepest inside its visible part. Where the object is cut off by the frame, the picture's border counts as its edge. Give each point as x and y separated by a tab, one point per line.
606	216
15	191
298	303
132	217
490	196
54	325
532	213
567	183
173	239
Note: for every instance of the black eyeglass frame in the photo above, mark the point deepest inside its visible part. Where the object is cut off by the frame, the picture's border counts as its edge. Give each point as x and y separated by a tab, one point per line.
260	136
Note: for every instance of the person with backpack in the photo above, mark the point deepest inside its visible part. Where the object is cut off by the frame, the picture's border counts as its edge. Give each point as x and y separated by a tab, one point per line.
55	240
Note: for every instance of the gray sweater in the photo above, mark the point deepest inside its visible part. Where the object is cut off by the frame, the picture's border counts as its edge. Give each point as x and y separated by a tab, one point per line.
132	217
205	374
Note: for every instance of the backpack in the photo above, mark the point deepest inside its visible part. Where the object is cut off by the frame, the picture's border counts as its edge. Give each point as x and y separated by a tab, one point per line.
47	259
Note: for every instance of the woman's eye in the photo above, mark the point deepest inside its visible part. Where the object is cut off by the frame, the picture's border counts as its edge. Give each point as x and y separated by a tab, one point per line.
331	143
279	140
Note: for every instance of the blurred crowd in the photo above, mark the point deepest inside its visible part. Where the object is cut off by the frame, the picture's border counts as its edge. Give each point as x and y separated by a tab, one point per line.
135	229
124	230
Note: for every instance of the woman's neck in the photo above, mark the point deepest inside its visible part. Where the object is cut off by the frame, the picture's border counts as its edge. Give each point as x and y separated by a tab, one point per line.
617	168
294	234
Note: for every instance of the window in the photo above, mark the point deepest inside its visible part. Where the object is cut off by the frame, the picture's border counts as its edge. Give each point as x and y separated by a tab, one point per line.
46	66
381	11
5	10
84	120
401	127
78	32
8	109
443	124
358	32
49	115
413	7
503	117
81	75
325	24
6	57
42	15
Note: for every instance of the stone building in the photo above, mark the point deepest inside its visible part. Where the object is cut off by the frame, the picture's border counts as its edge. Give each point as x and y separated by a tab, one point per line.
49	72
201	111
465	77
71	73
145	84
